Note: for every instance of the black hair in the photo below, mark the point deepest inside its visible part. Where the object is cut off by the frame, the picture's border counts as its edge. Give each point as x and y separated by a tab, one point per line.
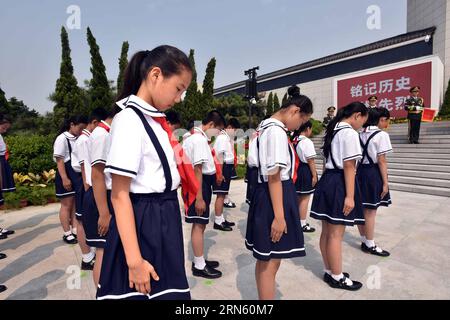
216	117
73	120
374	117
303	128
173	117
234	123
384	113
299	100
98	114
190	125
169	59
343	113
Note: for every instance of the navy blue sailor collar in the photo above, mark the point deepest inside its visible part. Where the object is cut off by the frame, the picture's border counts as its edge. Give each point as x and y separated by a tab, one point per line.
143	106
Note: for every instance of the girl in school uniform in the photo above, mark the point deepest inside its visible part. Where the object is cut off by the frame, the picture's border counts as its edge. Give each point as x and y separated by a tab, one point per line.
7	180
273	225
144	253
66	178
306	174
251	174
373	175
337	198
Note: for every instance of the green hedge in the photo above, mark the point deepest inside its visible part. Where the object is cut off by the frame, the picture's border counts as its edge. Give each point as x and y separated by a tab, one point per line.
317	127
31	153
34	196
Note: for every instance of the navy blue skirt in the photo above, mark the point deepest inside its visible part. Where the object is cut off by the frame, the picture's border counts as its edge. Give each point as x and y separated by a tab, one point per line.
78	186
260	218
192	217
234	175
8	184
303	185
251	177
160	238
60	191
90	219
328	201
224	187
371	184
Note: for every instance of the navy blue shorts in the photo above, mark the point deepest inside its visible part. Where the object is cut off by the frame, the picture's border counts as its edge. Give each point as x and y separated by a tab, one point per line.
78	186
8	184
160	239
371	184
224	187
328	201
251	177
303	185
259	223
192	217
90	219
234	175
61	192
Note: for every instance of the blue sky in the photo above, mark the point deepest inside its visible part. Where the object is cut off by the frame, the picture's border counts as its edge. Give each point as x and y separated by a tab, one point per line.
241	34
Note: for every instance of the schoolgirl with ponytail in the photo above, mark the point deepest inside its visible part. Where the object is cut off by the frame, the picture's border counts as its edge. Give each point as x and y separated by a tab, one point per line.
144	253
337	199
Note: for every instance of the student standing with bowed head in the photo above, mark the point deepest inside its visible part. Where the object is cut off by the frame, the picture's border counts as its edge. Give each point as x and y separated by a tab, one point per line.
144	254
66	177
273	225
337	198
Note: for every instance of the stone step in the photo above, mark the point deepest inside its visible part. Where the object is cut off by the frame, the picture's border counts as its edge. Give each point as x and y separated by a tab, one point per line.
444	192
419	167
420	181
419	174
430	155
408	162
421	146
422	140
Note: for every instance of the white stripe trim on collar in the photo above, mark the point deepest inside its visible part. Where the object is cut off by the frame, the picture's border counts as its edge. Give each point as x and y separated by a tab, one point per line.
106	123
198	129
144	106
68	135
341	125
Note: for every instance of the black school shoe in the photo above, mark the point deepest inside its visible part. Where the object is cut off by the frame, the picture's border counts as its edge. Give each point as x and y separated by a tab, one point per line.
342	284
3	256
308	229
229	223
222	227
2	288
230	204
88	265
374	250
7	232
327	277
207	272
211	264
72	241
3	236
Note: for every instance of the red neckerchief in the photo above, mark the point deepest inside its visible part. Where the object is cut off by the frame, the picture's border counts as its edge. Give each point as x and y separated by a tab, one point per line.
104	126
6	152
189	183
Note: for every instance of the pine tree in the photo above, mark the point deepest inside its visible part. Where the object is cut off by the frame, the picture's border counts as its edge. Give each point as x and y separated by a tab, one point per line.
4	106
276	103
99	91
208	86
269	108
445	109
285	99
123	61
67	96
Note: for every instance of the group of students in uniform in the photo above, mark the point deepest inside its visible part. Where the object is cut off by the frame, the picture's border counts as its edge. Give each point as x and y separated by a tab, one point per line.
119	173
6	180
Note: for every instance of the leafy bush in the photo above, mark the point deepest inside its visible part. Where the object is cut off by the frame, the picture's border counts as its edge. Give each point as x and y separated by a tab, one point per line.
31	153
317	127
26	195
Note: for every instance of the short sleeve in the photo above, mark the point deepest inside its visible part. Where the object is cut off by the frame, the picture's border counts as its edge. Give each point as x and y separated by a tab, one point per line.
349	145
309	150
220	144
276	149
384	144
99	148
197	149
126	145
82	150
60	148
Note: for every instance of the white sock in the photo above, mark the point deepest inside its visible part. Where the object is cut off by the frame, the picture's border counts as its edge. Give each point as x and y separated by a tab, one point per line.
88	256
74	231
370	243
219	219
67	233
363	239
199	262
327	271
93	250
303	222
340	276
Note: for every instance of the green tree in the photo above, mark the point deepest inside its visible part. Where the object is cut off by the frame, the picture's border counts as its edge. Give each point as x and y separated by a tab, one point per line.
285	99
99	89
208	85
445	108
276	103
269	107
67	96
123	61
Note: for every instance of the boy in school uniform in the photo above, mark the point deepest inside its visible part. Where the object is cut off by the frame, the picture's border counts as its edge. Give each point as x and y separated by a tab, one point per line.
197	149
224	149
80	154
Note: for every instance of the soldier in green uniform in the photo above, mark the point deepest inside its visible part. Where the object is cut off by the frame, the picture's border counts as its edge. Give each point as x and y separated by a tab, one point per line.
329	116
373	101
414	106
